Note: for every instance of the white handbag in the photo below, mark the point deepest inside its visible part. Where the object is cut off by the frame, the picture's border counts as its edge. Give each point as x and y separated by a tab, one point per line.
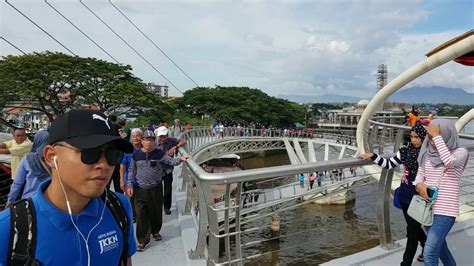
421	210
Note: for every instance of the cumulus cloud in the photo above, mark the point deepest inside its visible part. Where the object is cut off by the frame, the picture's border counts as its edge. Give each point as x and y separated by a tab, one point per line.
307	48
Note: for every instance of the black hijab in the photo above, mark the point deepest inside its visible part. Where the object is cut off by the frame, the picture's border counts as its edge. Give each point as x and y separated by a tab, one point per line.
409	154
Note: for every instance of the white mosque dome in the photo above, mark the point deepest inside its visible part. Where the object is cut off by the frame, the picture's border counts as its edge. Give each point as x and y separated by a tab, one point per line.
363	102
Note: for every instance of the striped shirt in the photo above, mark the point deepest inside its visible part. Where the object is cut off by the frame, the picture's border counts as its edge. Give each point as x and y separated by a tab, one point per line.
387	163
408	157
447	202
146	168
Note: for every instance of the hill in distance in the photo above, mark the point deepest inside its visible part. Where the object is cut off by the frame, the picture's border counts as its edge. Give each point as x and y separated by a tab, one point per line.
411	95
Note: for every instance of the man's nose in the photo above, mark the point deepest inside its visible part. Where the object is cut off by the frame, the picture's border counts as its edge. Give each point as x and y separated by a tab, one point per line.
102	163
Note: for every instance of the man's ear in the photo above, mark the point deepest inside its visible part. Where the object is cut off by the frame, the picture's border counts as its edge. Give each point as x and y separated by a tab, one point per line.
49	153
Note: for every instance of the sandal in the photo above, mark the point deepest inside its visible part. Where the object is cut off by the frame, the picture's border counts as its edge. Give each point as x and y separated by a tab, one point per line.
142	247
157	237
420	258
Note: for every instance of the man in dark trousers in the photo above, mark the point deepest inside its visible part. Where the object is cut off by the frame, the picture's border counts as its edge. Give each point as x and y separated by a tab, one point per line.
146	172
169	145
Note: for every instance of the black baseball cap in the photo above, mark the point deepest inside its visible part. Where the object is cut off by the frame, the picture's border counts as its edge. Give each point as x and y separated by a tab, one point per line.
86	129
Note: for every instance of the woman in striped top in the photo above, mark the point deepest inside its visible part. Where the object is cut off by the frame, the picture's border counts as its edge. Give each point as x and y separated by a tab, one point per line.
442	161
408	157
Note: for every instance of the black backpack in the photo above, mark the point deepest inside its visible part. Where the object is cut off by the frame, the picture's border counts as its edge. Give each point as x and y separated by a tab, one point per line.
22	244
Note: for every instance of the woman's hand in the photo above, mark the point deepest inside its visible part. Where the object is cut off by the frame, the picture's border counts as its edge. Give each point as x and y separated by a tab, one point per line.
421	189
366	155
433	130
185	157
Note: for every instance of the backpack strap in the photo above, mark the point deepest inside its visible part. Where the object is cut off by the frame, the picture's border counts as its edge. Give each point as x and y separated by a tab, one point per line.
118	212
22	244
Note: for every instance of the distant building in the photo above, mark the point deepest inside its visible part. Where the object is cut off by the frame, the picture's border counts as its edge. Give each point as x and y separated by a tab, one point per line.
24	116
159	89
348	117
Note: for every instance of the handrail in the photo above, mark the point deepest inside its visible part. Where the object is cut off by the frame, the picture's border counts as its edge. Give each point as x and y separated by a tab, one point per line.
205	141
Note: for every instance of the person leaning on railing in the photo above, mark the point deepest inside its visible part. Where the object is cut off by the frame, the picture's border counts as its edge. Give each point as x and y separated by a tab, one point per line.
408	157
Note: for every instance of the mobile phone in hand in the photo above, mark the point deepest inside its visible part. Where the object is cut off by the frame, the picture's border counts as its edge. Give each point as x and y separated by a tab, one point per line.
432	193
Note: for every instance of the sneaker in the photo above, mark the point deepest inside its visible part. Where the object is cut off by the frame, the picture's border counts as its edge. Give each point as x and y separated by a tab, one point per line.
142	247
157	237
167	211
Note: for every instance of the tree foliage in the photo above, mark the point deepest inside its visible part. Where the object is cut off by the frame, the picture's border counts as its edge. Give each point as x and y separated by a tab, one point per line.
240	105
40	79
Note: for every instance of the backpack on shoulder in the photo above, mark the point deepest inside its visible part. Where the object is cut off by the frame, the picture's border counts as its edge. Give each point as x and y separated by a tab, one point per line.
22	245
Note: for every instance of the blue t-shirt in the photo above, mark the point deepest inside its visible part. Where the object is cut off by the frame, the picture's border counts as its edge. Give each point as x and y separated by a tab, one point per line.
58	242
126	159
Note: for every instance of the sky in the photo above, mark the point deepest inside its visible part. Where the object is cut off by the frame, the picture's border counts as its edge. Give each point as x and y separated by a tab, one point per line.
281	47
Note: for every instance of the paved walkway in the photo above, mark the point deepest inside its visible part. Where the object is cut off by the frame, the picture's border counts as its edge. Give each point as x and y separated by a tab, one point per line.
460	242
172	250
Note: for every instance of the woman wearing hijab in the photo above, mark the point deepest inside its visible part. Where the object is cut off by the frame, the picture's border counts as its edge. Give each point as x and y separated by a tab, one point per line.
31	172
442	161
408	157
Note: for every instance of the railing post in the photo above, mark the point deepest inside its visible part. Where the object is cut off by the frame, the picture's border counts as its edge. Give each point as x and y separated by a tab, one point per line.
213	246
383	210
238	244
204	218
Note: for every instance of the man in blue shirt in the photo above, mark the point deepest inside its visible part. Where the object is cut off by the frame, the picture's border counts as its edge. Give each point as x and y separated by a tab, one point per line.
73	224
136	137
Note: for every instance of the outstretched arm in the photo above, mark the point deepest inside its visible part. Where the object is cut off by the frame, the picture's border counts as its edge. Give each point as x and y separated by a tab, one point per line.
387	163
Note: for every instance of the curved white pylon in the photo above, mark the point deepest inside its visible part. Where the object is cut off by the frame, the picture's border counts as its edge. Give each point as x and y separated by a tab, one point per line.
452	52
463	120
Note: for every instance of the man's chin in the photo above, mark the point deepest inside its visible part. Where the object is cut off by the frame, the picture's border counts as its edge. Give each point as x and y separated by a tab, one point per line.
95	192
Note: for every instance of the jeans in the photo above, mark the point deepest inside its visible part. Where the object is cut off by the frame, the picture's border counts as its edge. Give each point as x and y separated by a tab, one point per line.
436	245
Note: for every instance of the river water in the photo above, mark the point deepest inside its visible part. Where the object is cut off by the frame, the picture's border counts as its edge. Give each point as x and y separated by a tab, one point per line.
312	234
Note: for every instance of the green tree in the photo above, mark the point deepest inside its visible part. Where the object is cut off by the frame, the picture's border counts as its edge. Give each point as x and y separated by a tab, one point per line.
240	105
53	83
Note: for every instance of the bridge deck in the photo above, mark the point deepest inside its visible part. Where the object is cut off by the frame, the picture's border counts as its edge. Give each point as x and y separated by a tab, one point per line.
460	242
179	237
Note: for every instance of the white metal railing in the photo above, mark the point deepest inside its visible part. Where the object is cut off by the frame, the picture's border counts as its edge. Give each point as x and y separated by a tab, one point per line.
224	219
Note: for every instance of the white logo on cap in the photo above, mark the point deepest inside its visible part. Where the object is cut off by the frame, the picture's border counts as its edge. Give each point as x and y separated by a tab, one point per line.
96	116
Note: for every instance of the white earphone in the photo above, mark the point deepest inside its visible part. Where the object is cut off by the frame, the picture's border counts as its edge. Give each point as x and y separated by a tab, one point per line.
86	240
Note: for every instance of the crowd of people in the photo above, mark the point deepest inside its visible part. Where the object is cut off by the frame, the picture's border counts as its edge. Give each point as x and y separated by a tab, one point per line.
60	189
60	186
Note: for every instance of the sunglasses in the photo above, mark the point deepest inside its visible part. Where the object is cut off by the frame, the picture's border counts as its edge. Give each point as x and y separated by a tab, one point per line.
92	156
